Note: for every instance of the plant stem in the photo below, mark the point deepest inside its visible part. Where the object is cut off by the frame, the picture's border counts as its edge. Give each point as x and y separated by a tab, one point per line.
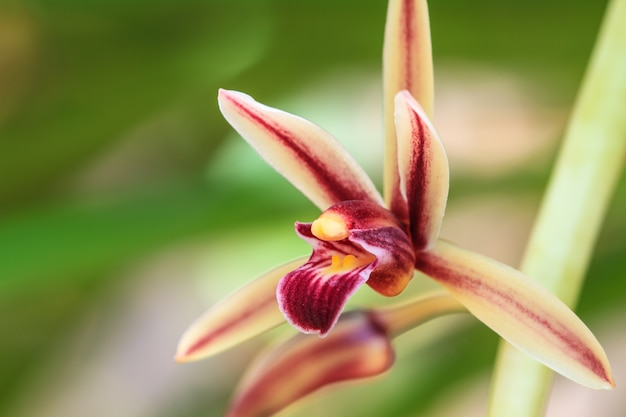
571	214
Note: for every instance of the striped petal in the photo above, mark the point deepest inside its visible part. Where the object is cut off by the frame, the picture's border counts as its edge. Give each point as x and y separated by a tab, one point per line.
395	258
357	348
400	318
309	157
424	172
313	296
522	312
407	65
247	312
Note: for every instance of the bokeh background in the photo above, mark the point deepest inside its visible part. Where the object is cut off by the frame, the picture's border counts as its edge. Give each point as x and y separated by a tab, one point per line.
128	206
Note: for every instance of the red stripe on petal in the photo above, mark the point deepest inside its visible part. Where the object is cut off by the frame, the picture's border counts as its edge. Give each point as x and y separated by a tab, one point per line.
424	172
408	34
416	184
407	65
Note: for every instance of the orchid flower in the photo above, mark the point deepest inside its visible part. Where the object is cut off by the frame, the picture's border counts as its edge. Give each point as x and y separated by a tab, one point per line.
362	237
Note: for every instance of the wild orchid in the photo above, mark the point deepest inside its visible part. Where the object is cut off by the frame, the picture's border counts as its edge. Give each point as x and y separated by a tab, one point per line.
362	237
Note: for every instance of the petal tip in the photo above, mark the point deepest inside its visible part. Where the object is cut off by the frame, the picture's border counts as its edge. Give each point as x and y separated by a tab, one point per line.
181	358
224	94
609	382
602	380
188	353
221	93
190	349
404	97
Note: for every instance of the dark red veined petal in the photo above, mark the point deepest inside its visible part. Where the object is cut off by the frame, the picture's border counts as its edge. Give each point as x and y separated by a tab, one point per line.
424	172
357	348
313	296
407	65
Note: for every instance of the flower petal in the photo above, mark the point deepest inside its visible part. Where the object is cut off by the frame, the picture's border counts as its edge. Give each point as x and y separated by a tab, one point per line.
309	157
395	258
522	312
247	312
407	65
313	296
424	172
357	348
397	319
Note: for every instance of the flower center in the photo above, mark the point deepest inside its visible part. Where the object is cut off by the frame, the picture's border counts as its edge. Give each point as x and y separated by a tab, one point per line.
329	227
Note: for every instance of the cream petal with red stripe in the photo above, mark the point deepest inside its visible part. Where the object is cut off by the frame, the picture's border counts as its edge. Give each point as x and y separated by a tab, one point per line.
522	312
308	156
357	348
407	65
247	312
424	171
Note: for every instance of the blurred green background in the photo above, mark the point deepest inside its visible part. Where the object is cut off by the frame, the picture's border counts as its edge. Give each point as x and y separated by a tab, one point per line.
128	206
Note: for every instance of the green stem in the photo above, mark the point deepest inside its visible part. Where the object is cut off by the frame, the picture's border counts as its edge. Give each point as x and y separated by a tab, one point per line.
573	209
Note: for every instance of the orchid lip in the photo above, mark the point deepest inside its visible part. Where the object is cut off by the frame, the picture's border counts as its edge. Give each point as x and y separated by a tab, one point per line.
354	242
313	296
